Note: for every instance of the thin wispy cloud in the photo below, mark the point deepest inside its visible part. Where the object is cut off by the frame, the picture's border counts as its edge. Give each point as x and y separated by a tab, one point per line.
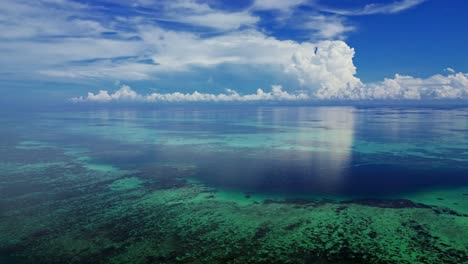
376	8
327	27
280	5
200	14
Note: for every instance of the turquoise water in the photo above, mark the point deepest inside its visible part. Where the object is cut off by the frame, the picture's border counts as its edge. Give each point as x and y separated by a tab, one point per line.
235	184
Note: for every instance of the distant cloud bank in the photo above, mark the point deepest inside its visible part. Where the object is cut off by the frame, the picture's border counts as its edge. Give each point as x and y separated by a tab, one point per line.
453	86
126	94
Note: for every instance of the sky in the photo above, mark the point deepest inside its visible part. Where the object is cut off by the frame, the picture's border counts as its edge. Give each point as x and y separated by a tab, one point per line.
221	51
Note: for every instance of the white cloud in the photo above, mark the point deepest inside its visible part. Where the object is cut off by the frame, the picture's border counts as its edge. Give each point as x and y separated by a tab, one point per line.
453	86
201	14
65	39
450	70
223	21
327	27
125	71
378	8
26	19
172	50
326	70
281	5
126	94
73	58
321	65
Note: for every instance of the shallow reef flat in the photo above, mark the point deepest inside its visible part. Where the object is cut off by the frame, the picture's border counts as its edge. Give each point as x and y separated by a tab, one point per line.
157	216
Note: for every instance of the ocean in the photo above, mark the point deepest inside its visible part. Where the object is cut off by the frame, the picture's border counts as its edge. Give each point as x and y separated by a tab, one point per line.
232	184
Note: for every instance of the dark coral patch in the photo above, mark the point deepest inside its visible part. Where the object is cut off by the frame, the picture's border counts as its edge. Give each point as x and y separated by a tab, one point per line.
388	203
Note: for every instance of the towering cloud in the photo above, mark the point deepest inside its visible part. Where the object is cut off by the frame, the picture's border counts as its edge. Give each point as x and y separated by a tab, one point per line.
324	66
326	69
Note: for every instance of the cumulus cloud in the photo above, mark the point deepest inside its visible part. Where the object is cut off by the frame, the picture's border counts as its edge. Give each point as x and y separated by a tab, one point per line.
77	48
69	40
326	69
326	65
126	94
453	86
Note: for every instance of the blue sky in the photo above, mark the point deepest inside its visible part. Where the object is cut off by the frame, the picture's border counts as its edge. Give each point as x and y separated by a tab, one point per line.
247	50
